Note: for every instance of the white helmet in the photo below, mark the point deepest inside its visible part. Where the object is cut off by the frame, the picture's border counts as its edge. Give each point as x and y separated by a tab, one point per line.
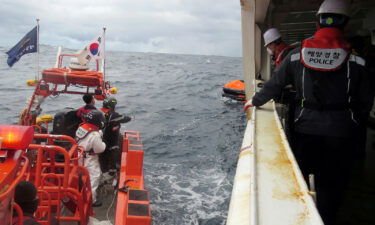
335	6
75	65
271	35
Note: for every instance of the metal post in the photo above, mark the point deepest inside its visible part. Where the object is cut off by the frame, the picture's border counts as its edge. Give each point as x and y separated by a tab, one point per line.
248	47
248	8
312	186
57	64
37	40
103	64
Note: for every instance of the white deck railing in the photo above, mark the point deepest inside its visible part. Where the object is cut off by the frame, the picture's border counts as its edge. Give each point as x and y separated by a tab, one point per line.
268	187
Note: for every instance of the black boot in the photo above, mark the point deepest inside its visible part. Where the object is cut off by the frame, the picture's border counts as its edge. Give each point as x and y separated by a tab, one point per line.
97	203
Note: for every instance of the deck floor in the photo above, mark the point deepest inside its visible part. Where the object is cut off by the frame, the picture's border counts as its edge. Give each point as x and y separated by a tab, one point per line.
359	202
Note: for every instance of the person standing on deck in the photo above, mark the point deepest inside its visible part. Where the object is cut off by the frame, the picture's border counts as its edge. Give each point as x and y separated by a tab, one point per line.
275	45
112	137
332	93
278	49
90	137
90	105
361	46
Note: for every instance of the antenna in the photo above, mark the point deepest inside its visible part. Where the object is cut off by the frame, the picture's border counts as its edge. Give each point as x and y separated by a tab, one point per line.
103	64
37	58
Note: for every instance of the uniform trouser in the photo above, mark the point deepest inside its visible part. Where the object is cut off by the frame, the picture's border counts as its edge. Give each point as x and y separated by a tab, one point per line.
360	153
104	160
91	162
330	160
108	159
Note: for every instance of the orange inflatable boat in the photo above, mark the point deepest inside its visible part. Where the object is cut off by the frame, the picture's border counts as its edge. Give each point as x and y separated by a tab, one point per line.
235	89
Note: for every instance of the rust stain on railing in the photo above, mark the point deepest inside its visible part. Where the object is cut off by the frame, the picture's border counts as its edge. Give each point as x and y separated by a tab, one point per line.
286	185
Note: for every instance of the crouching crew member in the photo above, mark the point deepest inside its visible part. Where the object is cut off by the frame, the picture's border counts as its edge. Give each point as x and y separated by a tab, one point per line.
25	196
332	91
89	136
110	159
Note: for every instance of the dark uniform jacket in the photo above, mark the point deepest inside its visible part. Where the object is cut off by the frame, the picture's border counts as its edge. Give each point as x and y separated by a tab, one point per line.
331	86
112	129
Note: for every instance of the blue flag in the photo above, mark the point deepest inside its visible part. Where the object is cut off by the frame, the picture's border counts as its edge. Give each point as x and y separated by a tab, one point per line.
27	44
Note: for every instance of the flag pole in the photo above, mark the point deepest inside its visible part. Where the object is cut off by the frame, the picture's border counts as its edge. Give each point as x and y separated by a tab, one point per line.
103	65
37	40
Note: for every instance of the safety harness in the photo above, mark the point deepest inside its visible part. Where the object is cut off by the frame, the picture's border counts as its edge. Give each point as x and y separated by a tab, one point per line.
84	111
281	49
328	51
83	130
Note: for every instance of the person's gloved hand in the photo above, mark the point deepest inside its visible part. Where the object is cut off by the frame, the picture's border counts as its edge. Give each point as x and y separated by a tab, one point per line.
101	133
248	105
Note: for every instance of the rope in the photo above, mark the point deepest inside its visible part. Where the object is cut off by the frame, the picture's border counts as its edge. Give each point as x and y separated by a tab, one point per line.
111	205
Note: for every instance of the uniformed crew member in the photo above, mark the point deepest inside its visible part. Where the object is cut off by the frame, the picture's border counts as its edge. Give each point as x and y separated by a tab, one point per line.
278	49
25	196
90	137
332	93
275	45
90	105
110	158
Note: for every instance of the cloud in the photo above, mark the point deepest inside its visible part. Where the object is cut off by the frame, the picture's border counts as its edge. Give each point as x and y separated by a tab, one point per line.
170	26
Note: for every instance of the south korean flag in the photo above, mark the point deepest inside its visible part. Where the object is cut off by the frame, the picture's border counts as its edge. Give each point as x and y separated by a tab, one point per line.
94	50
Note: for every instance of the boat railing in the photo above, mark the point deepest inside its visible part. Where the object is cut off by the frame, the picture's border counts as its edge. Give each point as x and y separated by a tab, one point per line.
7	190
133	202
43	214
65	181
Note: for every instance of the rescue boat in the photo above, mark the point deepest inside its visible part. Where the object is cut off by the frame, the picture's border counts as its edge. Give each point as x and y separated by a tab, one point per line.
235	89
49	157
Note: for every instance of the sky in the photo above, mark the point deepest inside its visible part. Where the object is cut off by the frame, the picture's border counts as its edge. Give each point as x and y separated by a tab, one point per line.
204	27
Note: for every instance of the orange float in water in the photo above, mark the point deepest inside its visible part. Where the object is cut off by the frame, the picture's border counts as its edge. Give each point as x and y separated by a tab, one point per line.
235	89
